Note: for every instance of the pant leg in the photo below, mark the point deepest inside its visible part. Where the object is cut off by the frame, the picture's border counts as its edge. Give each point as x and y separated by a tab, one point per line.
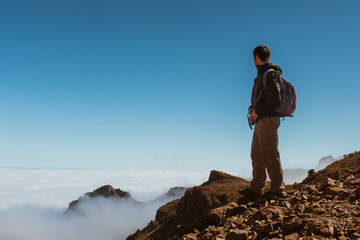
269	145
259	170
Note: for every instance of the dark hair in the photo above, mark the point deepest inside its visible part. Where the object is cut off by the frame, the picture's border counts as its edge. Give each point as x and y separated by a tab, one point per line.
263	52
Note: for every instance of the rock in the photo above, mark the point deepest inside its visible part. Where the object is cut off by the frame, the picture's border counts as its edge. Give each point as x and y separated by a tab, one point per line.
321	228
223	212
262	215
287	204
326	182
336	191
237	235
357	192
190	236
266	228
242	208
311	172
291	223
221	189
330	227
292	236
309	188
217	175
167	211
355	235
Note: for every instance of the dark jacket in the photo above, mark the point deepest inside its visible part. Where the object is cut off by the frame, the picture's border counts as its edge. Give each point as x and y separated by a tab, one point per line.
270	95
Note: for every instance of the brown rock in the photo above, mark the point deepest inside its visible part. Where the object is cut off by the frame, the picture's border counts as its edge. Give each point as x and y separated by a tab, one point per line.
291	223
221	189
330	227
287	204
357	192
206	236
223	212
237	235
266	228
217	175
319	210
167	211
190	236
320	228
336	191
292	236
242	208
309	188
325	183
355	235
262	215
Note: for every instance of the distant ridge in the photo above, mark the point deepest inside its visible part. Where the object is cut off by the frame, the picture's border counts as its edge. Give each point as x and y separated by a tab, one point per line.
106	191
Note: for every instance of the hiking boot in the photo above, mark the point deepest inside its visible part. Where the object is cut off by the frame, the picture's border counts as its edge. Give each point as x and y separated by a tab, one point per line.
248	196
249	192
270	195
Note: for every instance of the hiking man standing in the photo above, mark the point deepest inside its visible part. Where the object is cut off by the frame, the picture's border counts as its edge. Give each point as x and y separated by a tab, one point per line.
264	148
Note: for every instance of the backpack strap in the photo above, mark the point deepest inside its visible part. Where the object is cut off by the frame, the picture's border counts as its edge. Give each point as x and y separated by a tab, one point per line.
265	75
264	82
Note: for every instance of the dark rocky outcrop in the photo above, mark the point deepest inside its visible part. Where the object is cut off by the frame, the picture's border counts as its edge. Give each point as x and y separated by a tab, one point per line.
326	205
106	191
181	216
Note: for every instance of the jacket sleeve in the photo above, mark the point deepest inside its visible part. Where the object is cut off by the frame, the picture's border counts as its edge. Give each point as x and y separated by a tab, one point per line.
270	98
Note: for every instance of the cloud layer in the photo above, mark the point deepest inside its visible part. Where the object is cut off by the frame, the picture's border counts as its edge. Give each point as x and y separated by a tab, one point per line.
33	202
56	188
105	219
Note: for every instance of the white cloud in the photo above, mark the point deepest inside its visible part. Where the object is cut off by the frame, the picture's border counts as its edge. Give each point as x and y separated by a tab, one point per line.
33	202
105	219
56	188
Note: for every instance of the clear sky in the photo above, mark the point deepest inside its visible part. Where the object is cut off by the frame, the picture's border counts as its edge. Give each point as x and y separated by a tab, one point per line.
166	84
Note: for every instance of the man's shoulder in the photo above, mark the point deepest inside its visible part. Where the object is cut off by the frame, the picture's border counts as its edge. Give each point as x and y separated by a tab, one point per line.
272	66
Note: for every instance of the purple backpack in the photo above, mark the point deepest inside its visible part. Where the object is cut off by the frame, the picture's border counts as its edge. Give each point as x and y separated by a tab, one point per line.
288	97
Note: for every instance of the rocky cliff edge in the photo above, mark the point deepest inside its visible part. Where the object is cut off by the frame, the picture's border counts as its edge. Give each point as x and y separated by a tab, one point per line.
326	205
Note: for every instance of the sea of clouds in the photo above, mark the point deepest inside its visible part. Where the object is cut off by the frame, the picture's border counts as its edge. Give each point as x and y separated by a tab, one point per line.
33	202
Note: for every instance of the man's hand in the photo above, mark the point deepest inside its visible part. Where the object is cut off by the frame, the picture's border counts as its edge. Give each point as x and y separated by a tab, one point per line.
253	116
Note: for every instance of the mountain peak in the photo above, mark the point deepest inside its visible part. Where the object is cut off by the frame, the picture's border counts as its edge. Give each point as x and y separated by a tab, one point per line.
106	191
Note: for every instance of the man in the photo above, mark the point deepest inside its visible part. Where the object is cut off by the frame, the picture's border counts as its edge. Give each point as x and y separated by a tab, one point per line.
264	149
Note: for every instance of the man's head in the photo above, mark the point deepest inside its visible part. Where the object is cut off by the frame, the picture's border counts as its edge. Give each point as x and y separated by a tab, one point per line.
261	54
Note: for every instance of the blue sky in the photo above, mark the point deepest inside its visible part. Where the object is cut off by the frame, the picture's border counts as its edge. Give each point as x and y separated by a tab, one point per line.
166	84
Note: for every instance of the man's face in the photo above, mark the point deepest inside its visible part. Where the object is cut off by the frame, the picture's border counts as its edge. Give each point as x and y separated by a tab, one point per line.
256	59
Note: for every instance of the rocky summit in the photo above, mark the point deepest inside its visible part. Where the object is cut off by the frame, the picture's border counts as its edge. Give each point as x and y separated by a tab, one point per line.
326	205
106	191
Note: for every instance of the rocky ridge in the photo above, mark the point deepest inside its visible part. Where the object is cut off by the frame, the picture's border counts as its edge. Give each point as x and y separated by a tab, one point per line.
326	205
107	191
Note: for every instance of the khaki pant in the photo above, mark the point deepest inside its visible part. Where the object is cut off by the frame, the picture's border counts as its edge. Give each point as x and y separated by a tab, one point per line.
265	156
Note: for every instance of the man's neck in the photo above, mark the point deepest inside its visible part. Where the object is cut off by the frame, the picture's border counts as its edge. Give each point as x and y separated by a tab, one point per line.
258	66
260	63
